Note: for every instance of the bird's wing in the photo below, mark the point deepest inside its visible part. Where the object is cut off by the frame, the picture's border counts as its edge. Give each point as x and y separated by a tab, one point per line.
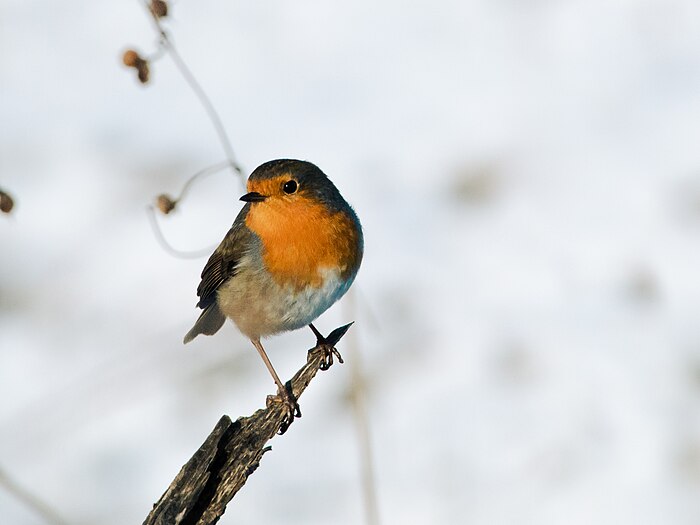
223	263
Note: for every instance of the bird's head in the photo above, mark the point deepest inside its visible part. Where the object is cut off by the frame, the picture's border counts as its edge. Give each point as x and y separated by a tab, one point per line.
291	184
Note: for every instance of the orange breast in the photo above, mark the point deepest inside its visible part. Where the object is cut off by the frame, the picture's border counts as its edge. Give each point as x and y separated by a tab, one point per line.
302	237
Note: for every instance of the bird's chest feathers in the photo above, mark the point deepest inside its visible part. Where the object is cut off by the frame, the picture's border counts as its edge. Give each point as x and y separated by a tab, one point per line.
301	241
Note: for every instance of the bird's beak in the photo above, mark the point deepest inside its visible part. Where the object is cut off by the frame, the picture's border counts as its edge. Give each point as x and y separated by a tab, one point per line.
253	196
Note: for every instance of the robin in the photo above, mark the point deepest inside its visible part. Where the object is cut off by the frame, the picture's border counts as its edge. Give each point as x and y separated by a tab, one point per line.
293	250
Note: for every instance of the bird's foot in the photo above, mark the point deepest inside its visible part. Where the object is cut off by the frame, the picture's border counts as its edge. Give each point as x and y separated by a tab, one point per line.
327	345
328	352
291	407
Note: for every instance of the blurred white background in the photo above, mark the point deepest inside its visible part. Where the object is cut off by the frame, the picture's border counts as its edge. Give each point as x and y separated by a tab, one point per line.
528	177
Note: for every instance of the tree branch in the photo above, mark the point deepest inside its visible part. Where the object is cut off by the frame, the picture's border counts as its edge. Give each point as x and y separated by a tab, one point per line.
216	472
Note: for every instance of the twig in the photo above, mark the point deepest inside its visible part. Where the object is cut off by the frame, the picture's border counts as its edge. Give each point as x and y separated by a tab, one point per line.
216	472
30	500
167	204
195	254
199	92
358	401
204	172
172	203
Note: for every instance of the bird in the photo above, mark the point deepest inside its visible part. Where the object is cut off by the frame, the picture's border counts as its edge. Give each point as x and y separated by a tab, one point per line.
293	250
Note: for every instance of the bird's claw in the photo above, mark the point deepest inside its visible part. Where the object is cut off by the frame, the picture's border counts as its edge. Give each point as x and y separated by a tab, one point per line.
291	407
328	353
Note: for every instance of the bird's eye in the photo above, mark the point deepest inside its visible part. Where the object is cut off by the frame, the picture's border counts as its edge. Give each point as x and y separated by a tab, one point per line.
290	187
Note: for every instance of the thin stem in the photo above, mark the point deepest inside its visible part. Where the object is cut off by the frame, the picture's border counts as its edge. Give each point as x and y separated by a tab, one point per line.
359	406
199	92
151	212
208	107
31	501
209	170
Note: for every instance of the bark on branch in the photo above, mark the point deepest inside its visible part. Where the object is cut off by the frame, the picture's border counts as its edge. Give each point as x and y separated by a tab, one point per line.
216	472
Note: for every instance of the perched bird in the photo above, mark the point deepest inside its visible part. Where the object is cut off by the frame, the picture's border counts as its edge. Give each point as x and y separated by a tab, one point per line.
293	250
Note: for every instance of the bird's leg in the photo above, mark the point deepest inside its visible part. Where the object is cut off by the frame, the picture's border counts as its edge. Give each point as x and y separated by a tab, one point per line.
327	344
284	392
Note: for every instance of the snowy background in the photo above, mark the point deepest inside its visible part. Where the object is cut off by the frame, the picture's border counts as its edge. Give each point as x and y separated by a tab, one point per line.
528	310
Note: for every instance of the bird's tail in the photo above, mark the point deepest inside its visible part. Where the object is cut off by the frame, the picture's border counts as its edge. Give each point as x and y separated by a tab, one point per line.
208	323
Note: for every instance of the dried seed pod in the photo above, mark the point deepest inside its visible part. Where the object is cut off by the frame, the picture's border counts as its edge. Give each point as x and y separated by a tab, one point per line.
6	202
144	72
131	58
159	8
165	204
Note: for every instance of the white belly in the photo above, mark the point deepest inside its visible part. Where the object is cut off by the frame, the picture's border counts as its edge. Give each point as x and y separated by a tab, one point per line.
259	306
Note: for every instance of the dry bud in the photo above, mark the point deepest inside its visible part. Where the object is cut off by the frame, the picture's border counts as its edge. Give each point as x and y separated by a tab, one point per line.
6	202
131	58
159	8
144	72
165	204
